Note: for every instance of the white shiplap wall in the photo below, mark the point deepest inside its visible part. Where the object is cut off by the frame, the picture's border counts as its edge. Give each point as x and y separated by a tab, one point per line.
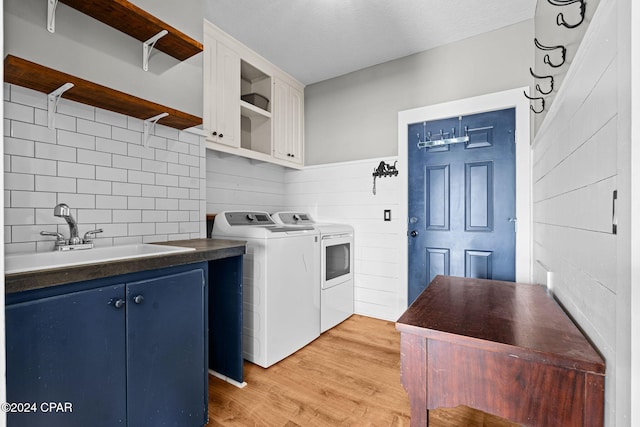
95	162
331	193
342	192
574	175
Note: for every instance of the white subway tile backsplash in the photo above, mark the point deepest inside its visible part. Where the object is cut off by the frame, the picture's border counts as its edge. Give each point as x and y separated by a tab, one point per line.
174	169
126	189
77	140
54	183
76	170
55	152
124	215
96	163
167	156
154	166
32	132
24	96
76	109
94	157
141	203
111	146
111	202
76	201
33	166
90	127
141	228
111	174
91	186
125	162
167	180
177	193
19	147
19	181
126	135
23	113
32	199
20	216
141	177
141	151
111	118
154	216
154	191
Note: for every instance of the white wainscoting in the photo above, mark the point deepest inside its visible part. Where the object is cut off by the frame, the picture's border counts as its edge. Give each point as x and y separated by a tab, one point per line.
574	174
339	192
342	192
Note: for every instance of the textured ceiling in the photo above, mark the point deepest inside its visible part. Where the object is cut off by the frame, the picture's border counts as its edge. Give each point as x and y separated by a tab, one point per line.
315	40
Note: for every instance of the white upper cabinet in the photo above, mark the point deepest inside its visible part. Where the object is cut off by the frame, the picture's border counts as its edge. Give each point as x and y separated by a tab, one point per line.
221	93
251	108
288	132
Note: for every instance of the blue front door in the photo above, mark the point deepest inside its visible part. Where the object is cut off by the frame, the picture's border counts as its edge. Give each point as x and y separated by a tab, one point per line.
462	199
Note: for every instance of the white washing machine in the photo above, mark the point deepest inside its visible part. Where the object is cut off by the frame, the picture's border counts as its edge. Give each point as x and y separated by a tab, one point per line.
336	266
281	284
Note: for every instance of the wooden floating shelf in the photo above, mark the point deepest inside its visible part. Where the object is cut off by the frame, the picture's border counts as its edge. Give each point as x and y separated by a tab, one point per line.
34	76
139	24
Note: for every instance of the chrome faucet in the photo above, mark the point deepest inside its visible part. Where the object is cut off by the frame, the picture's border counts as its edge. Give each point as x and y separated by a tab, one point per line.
62	210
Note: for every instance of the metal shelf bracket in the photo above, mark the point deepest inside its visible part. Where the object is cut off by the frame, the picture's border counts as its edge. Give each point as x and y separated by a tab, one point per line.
52	103
147	47
150	124
51	15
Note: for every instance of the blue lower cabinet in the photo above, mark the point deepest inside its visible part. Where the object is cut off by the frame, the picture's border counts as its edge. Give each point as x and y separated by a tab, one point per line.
123	351
225	317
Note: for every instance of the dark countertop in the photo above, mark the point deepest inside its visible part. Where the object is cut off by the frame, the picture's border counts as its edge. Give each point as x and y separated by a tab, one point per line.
205	250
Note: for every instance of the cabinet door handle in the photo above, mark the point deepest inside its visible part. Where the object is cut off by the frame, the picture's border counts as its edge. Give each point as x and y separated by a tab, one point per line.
221	135
117	303
138	299
214	133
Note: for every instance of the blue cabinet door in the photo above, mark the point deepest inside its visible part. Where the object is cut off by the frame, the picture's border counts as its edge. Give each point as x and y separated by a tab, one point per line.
462	200
68	349
166	357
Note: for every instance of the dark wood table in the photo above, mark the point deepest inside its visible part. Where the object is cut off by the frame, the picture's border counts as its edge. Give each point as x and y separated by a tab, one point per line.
504	348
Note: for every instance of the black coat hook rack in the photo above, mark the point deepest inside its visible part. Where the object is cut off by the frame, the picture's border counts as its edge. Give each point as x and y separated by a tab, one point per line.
383	170
547	59
538	88
560	18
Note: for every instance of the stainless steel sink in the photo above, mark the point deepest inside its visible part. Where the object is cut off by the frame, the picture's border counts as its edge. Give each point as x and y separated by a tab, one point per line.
20	263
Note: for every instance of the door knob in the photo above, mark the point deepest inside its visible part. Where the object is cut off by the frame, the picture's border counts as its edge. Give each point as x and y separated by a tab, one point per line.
138	299
414	233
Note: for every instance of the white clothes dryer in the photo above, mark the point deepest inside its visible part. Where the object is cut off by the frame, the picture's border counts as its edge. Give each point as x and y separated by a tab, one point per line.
281	284
336	266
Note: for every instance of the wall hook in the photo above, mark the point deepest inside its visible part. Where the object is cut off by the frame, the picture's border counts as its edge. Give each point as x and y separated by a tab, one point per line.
535	98
538	88
52	104
383	169
560	18
547	59
147	47
148	125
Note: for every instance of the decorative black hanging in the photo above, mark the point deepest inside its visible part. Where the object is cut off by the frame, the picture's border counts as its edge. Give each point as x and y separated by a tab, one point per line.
383	170
560	18
547	59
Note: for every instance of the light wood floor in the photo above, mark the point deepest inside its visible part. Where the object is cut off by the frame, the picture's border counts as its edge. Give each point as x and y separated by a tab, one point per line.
350	376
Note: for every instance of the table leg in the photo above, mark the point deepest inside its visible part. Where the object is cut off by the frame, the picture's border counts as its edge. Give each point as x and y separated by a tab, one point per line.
413	375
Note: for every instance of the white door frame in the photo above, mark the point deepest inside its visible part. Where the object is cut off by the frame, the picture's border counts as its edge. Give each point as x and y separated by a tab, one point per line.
479	104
